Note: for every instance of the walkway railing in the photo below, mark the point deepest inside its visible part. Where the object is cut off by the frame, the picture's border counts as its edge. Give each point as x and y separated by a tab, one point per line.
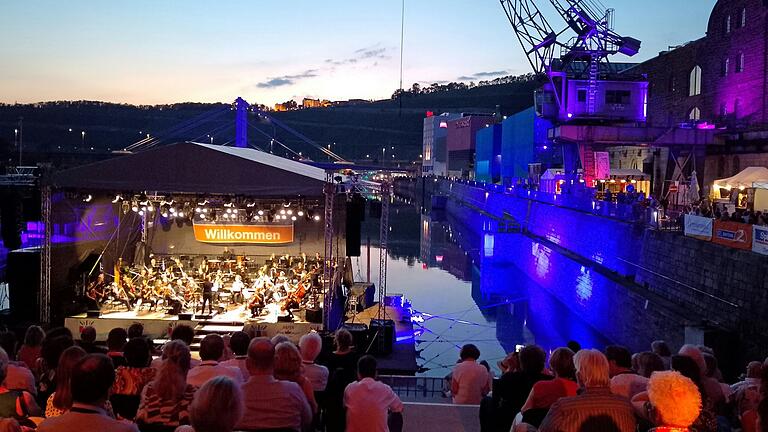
417	388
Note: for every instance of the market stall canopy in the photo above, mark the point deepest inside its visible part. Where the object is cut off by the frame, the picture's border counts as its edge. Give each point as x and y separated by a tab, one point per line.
628	172
747	178
552	174
190	167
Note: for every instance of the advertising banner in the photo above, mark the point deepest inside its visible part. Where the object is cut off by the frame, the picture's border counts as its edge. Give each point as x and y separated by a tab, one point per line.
733	234
243	233
760	239
698	227
602	165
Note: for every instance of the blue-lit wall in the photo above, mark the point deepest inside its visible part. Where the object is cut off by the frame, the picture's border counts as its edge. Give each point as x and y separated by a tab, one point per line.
523	141
488	154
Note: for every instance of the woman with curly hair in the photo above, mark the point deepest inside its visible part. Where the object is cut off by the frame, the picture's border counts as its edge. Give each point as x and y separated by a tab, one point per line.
674	401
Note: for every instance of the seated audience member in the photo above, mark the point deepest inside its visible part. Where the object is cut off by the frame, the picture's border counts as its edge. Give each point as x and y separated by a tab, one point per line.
165	400
238	343
32	346
131	379
342	370
510	363
183	333
547	392
368	401
624	381
211	350
513	388
573	346
596	409
288	368
712	396
53	345
18	375
278	339
10	425
746	394
469	381
135	330
88	341
268	402
661	349
91	380
17	404
217	395
61	400
310	346
674	401
116	339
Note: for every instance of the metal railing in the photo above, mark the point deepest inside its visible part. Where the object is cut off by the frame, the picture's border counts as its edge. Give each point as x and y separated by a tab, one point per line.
417	388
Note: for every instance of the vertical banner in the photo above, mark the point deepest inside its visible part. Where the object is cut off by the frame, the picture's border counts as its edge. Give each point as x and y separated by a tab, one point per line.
760	239
602	165
733	234
698	227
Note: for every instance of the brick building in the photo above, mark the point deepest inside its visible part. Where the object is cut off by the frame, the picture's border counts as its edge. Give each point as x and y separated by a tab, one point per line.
719	81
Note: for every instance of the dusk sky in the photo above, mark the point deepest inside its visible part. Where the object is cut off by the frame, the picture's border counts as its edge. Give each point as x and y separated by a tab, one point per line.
163	51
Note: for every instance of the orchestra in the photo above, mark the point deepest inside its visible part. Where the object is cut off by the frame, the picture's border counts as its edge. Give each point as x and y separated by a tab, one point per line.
281	285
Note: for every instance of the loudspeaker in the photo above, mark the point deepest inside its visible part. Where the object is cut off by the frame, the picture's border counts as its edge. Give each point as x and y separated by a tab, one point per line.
355	216
185	317
359	334
23	282
10	222
30	207
382	333
93	314
284	318
314	316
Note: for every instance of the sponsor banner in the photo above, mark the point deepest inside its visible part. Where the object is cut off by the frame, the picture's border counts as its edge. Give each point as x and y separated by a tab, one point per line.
244	233
602	165
293	330
698	227
760	239
154	328
733	234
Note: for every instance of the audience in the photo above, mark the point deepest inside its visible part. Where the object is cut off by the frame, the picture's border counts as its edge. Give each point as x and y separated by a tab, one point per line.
55	342
513	388
60	401
135	330
310	346
14	403
342	370
116	340
131	379
595	409
165	400
624	381
183	333
218	395
30	350
211	351
674	401
238	343
18	375
546	392
88	341
661	349
92	378
469	381
288	368
368	402
270	403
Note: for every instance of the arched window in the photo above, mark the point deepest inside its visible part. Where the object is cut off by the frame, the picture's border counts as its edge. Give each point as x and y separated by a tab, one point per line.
728	24
694	86
743	17
740	64
695	114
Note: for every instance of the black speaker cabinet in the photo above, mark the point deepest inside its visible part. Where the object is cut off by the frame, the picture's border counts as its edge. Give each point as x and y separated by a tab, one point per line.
23	276
359	335
314	316
382	333
93	314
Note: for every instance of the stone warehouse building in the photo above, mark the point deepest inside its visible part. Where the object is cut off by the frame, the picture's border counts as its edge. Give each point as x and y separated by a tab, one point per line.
719	81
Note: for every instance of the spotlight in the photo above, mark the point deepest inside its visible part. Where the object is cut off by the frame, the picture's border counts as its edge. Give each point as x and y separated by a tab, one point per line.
88	198
141	212
282	212
202	216
234	211
261	212
150	208
117	198
293	218
300	213
135	208
229	210
173	210
225	216
205	210
290	212
181	214
198	210
317	218
164	214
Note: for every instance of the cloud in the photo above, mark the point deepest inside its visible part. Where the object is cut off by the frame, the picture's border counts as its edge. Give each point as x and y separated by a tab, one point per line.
286	80
483	75
362	54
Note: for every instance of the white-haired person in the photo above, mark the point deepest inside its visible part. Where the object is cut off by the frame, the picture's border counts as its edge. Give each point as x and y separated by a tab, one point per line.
674	402
596	408
218	395
310	346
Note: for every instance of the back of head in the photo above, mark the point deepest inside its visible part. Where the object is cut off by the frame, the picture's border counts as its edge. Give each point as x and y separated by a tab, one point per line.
573	346
88	334
661	348
343	339
754	369
561	362
279	338
695	354
532	359
171	379
34	336
712	366
92	378
211	347
135	330
676	399
4	361
469	351
71	356
261	356
137	352
53	347
183	333
287	364
218	395
648	363
310	346
238	343
116	339
619	355
591	368
687	367
367	366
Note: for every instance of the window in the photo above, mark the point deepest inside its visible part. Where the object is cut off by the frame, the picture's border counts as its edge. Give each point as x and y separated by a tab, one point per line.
728	24
581	95
622	97
723	110
743	17
695	114
740	64
724	67
694	88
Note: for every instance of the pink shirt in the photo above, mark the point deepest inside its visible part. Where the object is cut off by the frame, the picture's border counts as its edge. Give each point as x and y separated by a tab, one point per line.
368	403
469	382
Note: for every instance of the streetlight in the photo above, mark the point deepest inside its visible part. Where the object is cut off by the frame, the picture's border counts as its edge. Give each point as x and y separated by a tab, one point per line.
82	134
383	158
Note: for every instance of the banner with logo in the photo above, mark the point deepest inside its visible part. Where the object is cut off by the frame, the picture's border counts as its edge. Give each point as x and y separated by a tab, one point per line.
698	227
733	234
268	234
760	239
602	165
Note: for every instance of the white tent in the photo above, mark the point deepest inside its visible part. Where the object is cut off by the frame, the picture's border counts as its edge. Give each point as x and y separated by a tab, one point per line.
745	179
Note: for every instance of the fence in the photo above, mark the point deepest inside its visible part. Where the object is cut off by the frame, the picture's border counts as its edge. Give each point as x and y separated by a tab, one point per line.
418	389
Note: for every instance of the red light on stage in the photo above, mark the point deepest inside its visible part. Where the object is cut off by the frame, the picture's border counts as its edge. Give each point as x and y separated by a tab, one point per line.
424	266
430	114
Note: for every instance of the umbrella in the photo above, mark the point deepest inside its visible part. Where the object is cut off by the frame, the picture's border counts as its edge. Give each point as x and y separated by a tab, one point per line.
693	190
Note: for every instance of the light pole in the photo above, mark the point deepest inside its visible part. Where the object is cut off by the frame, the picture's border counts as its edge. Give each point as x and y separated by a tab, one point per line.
383	155
82	135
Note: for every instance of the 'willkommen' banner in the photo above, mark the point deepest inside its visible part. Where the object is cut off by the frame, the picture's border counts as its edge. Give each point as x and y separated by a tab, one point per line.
251	234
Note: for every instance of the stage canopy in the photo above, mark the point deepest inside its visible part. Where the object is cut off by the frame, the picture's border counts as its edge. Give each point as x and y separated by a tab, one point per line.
200	169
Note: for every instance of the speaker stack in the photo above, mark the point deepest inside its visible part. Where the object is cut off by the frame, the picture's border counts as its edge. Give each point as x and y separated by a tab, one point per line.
382	332
359	333
355	217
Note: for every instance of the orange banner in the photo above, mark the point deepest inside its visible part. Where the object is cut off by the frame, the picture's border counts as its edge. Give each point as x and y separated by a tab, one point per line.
251	234
733	234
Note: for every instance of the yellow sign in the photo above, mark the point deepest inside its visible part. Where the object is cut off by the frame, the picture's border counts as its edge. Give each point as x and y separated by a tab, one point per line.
251	234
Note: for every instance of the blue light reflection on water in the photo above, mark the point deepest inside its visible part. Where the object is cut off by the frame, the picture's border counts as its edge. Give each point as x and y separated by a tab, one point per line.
474	286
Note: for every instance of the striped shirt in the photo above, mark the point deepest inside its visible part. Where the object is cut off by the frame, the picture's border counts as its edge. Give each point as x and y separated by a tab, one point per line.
594	410
153	410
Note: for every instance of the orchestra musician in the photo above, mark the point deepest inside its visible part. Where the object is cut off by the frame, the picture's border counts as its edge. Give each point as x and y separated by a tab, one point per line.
96	293
237	290
207	295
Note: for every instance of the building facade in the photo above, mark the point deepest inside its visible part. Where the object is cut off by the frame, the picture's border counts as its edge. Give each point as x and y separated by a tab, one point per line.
435	150
461	143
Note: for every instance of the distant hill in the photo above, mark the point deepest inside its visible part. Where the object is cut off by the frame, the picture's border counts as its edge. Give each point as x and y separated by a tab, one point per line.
356	131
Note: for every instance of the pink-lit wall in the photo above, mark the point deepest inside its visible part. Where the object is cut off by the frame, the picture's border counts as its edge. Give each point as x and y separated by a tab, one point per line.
462	132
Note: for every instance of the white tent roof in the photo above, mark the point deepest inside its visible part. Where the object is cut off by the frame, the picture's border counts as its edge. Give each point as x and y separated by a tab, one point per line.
746	178
552	174
627	172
